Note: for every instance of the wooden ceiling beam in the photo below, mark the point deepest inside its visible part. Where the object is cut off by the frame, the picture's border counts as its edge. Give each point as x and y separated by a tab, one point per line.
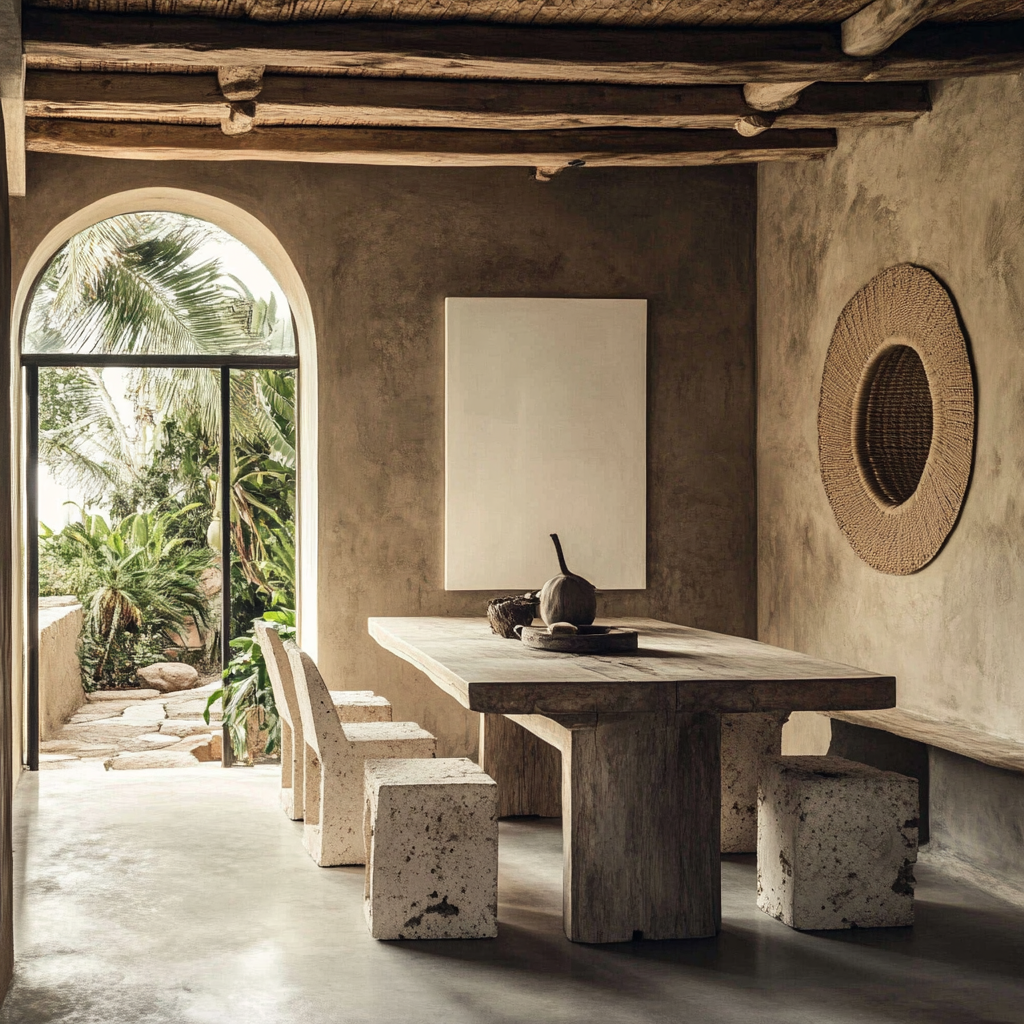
534	106
613	147
876	27
869	32
75	40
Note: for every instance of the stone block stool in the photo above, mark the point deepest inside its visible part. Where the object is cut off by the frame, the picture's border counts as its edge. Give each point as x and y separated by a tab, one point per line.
351	705
748	740
836	844
333	768
432	850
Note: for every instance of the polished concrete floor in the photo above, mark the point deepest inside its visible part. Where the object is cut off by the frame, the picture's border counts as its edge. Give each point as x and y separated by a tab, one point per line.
185	896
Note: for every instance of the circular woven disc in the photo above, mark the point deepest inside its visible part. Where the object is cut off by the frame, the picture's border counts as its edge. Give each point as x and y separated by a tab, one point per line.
874	431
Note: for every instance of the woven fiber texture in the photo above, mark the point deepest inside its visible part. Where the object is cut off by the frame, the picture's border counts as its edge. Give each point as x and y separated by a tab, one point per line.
896	420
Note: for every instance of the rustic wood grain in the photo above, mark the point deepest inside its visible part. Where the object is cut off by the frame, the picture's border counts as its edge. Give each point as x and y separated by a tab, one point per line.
639	739
414	103
640	824
540	12
391	49
641	807
877	26
612	147
528	770
677	668
960	739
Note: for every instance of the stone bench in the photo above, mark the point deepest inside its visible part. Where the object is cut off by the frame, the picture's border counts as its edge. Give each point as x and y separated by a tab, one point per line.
350	705
431	834
836	844
335	752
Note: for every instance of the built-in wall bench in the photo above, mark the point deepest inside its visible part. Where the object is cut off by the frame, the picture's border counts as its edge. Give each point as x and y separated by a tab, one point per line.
958	739
971	786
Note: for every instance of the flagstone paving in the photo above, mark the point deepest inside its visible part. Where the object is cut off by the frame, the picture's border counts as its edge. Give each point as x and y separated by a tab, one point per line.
127	729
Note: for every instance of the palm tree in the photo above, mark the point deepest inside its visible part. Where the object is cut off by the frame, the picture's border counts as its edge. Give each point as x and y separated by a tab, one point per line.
145	284
138	284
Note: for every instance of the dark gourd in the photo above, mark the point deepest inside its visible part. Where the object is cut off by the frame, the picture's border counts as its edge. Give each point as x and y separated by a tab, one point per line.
567	597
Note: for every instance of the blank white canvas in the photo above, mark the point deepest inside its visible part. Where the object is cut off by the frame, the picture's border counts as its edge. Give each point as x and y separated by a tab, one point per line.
545	432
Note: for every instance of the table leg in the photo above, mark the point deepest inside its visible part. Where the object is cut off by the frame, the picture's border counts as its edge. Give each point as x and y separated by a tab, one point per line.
528	770
641	803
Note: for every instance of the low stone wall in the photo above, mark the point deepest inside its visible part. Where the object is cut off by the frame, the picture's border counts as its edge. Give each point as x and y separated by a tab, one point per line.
60	678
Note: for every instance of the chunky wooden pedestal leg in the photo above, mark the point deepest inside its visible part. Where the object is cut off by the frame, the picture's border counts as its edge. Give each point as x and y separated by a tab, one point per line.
528	770
641	801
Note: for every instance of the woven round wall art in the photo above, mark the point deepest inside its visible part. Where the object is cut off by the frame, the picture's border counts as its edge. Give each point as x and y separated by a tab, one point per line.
896	420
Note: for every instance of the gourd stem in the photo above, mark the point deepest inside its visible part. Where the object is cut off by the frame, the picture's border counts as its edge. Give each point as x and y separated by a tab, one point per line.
561	557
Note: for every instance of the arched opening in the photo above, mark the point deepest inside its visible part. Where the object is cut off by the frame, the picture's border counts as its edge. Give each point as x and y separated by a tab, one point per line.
236	336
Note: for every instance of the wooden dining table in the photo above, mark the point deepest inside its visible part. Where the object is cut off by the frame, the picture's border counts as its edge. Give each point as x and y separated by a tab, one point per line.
639	736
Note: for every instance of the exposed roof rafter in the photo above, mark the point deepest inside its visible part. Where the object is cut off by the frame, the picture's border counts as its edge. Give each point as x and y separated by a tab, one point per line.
613	147
536	106
444	50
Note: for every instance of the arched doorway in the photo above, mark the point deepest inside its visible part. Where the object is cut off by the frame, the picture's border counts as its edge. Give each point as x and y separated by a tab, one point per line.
252	352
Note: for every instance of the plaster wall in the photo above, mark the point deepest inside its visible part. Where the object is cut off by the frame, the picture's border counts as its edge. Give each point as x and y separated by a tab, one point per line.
378	250
944	193
60	677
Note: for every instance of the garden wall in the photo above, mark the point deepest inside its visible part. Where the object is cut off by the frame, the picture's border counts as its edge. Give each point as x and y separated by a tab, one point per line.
60	675
378	250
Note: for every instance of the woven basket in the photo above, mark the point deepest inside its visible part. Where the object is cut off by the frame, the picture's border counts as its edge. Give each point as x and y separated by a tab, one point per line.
896	420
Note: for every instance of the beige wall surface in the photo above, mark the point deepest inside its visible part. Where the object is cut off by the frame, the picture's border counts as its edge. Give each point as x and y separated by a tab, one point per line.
944	193
60	673
378	250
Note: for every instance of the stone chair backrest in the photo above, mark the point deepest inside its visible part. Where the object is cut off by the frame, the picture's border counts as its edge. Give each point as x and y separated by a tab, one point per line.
280	672
321	727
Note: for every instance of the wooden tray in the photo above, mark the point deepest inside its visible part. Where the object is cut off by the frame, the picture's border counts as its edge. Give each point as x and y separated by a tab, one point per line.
589	640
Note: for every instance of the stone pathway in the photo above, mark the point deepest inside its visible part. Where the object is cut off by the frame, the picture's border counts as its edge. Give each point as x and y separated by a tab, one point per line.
125	729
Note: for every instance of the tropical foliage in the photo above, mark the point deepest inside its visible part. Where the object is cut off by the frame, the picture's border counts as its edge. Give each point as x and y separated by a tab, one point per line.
246	685
141	585
143	443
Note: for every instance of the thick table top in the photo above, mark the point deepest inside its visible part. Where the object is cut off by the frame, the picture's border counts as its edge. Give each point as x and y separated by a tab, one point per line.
676	669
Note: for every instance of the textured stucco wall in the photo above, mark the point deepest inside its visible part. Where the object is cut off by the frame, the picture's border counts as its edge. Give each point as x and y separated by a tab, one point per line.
60	676
946	194
378	250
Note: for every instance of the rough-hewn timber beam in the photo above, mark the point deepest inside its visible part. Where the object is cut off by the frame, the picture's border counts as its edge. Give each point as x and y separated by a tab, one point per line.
611	147
772	96
876	27
535	106
12	88
60	39
867	33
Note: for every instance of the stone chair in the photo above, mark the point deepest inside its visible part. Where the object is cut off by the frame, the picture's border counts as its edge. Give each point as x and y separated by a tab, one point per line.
431	831
334	754
351	706
836	844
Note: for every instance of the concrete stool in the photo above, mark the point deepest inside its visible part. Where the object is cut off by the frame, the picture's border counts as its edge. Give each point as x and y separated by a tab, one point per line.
333	765
748	740
836	844
351	705
432	850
